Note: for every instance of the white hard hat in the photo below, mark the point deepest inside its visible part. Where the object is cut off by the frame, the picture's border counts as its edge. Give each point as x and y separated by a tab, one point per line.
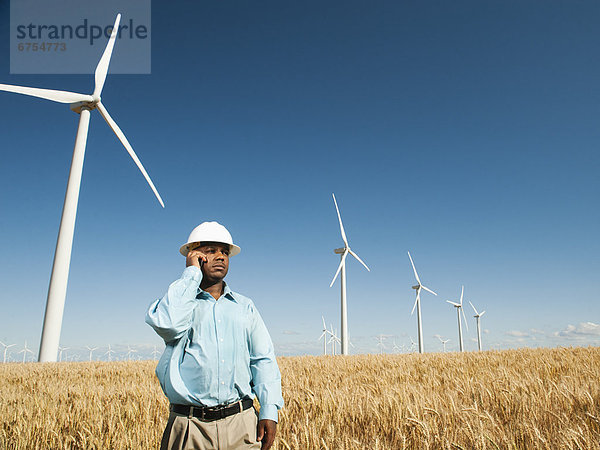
210	232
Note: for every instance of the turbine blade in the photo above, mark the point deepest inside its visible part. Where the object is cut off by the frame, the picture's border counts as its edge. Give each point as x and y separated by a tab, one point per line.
339	267
416	301
465	317
462	291
48	94
340	219
453	303
414	270
127	145
473	307
482	314
429	290
324	326
359	260
102	67
323	334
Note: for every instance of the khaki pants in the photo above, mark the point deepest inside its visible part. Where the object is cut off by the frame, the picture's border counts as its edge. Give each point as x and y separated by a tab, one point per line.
234	432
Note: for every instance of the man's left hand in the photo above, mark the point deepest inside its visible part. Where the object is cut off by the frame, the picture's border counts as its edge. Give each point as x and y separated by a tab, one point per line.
266	433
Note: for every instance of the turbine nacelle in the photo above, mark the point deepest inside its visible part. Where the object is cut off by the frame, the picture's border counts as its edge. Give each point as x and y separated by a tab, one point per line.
79	106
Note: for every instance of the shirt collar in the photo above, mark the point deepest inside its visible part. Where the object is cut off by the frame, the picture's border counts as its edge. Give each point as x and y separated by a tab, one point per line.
227	292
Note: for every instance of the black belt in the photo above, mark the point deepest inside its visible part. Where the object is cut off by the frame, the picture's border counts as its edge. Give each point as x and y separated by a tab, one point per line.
210	413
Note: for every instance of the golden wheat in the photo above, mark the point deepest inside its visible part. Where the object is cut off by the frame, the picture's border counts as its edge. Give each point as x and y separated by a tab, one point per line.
542	398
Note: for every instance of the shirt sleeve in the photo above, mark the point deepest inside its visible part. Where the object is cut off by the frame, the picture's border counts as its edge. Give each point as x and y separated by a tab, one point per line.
266	378
171	316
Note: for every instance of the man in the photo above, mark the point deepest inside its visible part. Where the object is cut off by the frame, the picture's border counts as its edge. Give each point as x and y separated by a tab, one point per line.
218	354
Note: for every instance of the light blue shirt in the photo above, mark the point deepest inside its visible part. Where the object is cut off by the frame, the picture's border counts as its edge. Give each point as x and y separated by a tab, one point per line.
217	352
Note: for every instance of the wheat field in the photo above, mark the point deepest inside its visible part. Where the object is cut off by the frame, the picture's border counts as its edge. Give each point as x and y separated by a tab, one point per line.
524	399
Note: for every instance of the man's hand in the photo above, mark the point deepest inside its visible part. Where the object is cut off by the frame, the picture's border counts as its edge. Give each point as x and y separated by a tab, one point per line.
194	257
266	433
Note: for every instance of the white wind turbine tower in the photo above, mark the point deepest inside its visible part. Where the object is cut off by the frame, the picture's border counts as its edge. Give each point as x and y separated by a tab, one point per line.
83	105
417	304
342	267
6	347
324	336
91	349
444	342
459	308
477	317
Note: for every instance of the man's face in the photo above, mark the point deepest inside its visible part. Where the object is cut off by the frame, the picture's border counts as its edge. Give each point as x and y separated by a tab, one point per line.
218	259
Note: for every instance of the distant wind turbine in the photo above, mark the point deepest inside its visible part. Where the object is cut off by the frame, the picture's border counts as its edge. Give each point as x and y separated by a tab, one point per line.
342	267
6	347
130	351
444	342
324	336
459	308
155	353
417	304
477	317
413	344
380	343
91	349
83	105
60	352
109	353
25	351
395	347
333	340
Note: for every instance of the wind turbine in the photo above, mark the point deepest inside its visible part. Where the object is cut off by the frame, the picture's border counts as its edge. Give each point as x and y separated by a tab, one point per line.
24	351
380	344
477	317
83	105
413	344
459	308
91	349
342	267
395	347
417	304
324	336
60	352
155	353
109	353
444	342
334	339
6	347
130	351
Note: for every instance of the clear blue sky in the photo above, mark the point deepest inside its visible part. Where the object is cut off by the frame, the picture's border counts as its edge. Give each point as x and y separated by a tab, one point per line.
466	132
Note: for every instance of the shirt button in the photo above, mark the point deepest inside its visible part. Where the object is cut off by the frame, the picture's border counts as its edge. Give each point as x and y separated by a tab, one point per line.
222	382
222	360
219	320
221	339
